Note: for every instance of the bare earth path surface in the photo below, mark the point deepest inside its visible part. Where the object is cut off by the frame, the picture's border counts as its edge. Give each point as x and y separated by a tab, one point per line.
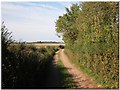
53	79
81	79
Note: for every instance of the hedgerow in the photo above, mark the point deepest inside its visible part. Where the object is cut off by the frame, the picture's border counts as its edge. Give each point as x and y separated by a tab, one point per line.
24	66
90	32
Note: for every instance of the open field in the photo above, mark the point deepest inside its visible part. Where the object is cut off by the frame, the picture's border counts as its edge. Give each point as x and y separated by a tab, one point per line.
44	44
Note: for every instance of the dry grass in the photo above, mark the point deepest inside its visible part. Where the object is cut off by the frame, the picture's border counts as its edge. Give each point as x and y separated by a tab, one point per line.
44	44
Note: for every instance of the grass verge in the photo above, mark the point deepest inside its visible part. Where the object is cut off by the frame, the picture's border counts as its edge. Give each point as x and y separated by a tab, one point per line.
86	70
65	77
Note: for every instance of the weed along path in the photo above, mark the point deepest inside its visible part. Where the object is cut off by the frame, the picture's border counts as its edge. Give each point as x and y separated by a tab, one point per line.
63	74
81	79
58	76
53	80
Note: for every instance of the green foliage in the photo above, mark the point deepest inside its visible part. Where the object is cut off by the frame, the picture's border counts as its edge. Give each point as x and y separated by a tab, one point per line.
65	78
65	24
96	44
24	66
6	39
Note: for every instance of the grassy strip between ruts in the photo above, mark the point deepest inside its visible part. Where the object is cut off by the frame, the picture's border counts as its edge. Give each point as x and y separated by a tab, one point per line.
65	77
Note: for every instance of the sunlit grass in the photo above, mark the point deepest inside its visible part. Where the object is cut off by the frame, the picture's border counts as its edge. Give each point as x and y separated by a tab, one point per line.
66	79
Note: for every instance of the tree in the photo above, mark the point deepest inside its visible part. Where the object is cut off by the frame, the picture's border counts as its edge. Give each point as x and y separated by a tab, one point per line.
65	24
6	38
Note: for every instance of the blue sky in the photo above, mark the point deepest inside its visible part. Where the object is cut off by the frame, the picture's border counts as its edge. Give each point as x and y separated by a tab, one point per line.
33	21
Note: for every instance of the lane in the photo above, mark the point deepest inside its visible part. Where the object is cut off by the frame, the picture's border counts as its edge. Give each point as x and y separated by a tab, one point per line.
53	80
81	79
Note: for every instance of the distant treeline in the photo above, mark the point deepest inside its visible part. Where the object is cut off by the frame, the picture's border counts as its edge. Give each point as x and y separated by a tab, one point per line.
41	42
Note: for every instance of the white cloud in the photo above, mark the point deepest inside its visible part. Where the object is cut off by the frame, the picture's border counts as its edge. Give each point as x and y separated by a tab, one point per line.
31	23
48	7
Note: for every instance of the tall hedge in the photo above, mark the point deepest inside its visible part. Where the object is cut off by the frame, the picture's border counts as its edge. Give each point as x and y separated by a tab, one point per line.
95	25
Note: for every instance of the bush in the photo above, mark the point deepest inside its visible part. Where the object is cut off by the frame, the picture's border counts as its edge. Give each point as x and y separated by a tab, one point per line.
24	66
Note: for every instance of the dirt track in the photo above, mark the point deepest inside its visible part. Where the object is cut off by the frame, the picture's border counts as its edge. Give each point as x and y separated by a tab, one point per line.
53	79
81	79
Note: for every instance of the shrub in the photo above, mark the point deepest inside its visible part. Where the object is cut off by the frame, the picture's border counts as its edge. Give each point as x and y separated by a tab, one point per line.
24	66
